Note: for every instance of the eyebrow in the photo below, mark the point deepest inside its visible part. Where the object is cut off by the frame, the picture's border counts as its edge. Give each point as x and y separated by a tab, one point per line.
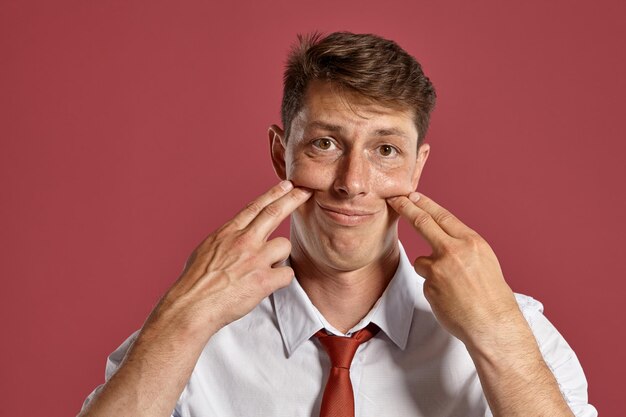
391	131
324	126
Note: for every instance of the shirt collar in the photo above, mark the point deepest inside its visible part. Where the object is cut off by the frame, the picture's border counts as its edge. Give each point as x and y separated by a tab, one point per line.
299	320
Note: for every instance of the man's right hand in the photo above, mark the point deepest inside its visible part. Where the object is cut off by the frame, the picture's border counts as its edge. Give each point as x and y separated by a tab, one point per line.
234	268
225	277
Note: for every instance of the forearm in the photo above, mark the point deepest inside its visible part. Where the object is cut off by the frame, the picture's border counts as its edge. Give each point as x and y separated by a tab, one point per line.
515	379
152	375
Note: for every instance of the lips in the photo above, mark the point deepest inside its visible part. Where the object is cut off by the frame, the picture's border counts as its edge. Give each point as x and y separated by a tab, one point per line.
346	211
346	216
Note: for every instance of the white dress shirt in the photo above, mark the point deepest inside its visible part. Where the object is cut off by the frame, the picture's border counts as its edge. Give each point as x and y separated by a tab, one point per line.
268	364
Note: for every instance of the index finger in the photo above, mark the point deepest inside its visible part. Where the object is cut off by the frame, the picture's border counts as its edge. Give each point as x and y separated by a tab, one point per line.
446	220
252	209
273	214
421	220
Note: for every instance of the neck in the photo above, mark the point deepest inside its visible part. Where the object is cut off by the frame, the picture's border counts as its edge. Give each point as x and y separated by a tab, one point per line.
344	297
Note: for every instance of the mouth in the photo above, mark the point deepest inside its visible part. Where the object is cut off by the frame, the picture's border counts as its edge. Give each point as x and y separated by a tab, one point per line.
346	216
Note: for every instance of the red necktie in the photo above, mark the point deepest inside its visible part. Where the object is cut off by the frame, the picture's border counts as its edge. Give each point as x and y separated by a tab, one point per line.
338	399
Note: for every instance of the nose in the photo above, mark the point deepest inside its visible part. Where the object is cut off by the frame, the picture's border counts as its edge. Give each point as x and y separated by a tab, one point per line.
352	175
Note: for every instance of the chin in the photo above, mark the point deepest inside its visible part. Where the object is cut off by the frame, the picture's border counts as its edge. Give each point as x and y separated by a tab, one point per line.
347	252
346	260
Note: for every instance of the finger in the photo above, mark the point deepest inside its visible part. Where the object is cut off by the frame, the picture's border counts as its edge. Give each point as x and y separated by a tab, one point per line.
276	250
282	276
273	214
245	216
420	220
423	266
448	221
276	278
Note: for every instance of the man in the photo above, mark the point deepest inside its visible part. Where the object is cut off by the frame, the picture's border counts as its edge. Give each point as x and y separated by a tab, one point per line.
237	335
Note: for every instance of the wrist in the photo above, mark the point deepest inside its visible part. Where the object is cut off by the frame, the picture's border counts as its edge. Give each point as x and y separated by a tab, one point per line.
508	343
174	323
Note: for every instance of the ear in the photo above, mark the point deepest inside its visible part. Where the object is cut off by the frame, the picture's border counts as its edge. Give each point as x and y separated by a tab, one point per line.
422	156
277	150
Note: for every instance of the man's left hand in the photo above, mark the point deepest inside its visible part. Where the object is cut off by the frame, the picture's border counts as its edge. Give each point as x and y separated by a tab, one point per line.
464	282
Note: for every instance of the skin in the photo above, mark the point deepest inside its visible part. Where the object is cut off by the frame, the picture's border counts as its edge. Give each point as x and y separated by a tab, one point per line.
355	165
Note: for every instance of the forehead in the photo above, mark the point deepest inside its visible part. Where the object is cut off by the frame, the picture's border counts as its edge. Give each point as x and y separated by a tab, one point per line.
324	103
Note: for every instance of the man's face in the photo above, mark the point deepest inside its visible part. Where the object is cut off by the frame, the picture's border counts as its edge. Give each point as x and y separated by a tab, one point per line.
353	154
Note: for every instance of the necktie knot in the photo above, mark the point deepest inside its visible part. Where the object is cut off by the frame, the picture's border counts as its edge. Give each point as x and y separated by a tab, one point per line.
341	349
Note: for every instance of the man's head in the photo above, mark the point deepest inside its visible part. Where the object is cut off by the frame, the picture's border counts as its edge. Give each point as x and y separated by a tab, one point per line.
355	111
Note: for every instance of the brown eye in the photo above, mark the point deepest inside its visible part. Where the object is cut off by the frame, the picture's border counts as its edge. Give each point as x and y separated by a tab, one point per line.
386	150
324	144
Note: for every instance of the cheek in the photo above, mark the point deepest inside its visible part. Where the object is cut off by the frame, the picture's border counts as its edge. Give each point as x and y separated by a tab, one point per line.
305	173
393	184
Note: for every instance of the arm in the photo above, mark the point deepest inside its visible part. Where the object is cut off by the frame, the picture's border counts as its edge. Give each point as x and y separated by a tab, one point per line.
559	357
230	272
470	298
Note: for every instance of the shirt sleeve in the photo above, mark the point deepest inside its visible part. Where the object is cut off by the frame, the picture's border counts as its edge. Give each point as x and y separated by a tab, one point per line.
559	357
113	362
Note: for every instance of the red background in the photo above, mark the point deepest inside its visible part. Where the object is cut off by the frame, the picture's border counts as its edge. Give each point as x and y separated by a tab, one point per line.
129	130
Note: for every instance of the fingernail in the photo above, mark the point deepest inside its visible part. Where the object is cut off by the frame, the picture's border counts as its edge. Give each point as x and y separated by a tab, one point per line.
414	196
286	185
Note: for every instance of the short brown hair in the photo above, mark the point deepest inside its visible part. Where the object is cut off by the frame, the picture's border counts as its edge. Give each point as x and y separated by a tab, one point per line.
367	64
